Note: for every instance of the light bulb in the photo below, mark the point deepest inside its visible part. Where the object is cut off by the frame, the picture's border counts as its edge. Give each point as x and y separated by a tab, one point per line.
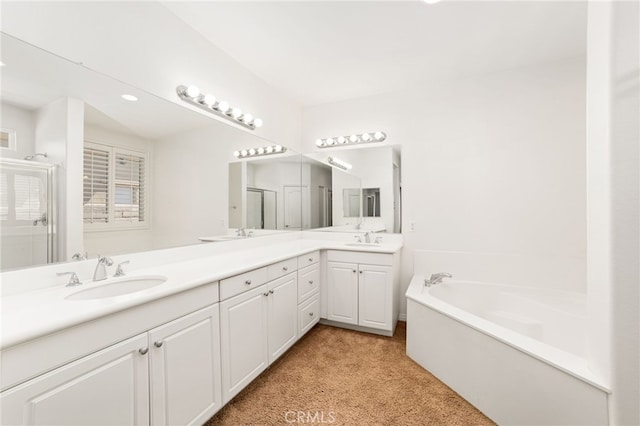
236	113
269	149
353	138
192	91
379	136
260	150
129	98
366	137
341	139
247	118
223	106
209	100
244	152
277	148
319	142
236	153
252	151
329	141
257	122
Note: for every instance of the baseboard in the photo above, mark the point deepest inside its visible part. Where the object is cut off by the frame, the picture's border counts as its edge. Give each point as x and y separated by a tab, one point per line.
402	317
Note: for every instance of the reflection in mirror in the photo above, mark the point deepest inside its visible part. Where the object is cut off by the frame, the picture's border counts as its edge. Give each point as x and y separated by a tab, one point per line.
120	165
377	207
265	193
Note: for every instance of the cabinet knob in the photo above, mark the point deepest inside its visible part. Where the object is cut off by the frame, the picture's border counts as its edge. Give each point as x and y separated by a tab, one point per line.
310	281
143	351
310	314
158	343
354	271
247	282
284	268
270	291
311	259
360	271
265	294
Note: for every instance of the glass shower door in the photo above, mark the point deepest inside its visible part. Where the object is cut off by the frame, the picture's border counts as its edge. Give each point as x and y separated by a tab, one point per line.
26	214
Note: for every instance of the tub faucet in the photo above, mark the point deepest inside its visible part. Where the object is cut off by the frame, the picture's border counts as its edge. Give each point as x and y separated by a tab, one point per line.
436	278
101	268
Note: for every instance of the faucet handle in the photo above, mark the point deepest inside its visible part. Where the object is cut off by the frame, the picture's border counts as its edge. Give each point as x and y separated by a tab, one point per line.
358	238
104	259
73	279
378	240
119	271
80	256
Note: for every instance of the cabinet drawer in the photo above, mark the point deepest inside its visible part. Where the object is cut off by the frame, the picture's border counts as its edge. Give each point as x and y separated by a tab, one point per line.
229	287
308	282
308	314
308	259
281	269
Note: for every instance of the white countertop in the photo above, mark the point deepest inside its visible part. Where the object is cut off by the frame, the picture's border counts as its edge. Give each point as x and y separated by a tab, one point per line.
35	313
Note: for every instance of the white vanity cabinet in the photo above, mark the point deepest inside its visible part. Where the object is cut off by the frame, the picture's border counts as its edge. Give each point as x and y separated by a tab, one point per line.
257	326
167	376
362	290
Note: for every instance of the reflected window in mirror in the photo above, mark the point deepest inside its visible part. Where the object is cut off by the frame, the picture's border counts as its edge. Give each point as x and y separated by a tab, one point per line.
8	139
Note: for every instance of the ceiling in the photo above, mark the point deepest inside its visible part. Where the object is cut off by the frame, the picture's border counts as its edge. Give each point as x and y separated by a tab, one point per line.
318	52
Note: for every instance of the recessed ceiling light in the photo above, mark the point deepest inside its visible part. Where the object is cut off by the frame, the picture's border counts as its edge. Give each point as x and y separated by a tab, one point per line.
129	98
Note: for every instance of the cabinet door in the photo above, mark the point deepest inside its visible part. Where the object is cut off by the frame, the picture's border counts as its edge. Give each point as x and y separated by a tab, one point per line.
185	369
283	315
342	292
375	287
109	387
243	332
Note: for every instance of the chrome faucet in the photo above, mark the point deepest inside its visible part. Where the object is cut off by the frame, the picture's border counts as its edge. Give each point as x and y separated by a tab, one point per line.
241	232
101	268
367	237
436	278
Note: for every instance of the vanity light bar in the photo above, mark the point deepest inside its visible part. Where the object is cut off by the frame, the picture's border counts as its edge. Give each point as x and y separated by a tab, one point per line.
191	94
263	150
353	139
339	163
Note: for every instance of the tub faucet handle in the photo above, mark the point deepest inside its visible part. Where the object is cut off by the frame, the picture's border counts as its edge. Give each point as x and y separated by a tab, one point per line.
437	278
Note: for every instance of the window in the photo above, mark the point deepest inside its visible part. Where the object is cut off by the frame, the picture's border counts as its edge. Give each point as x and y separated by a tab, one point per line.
114	187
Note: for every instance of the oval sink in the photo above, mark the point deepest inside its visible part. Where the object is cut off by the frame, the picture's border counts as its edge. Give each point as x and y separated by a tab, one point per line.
362	245
120	287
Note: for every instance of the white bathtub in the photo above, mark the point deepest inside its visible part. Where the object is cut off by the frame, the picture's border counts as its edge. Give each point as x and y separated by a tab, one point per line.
516	353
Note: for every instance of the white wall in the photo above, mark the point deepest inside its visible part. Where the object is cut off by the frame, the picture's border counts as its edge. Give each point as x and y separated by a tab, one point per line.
143	44
490	164
614	202
23	122
125	241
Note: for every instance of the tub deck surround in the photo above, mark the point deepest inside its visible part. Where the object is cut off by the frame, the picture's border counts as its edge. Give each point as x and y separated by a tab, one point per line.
32	314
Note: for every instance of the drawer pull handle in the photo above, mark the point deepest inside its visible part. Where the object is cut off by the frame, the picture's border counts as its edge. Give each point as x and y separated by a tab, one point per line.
158	344
310	314
361	271
354	271
247	282
265	294
310	281
143	351
311	259
270	291
284	268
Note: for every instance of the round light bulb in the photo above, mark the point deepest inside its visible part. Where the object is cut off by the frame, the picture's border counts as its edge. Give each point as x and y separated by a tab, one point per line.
247	118
319	142
260	150
257	122
353	138
379	136
269	149
277	148
236	113
192	91
236	153
329	141
244	152
366	137
223	106
252	151
209	100
341	139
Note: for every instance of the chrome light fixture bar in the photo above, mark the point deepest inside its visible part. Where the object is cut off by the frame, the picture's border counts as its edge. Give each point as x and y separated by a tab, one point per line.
263	150
191	95
339	163
350	140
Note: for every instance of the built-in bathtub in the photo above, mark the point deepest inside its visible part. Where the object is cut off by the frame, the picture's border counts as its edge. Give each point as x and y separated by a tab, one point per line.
516	353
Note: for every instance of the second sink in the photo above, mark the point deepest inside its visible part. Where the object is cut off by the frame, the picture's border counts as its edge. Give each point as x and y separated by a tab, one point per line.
118	287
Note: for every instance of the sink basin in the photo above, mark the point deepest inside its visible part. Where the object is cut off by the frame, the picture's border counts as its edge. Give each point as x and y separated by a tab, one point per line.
362	245
118	287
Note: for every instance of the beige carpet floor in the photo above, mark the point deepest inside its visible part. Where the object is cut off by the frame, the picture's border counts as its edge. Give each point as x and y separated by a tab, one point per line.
343	377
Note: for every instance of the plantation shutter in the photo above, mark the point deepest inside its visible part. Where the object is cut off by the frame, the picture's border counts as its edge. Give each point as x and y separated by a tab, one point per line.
95	185
130	190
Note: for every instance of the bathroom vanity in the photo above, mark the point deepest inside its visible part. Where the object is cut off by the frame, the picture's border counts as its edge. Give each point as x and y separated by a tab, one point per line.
176	352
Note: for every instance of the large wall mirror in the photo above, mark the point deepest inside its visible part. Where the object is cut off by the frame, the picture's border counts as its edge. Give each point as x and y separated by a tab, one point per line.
367	196
128	176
